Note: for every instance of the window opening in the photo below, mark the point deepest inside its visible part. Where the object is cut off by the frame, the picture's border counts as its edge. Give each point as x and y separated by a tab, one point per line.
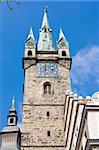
48	114
11	120
47	88
29	53
63	53
48	133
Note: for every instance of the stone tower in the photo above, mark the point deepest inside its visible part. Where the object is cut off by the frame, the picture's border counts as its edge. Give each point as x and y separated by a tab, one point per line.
47	78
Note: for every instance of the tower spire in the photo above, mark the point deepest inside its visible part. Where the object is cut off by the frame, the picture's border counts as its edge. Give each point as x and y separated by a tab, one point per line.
45	42
30	44
45	21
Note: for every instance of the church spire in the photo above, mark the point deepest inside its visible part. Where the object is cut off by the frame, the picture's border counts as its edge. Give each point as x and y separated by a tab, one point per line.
45	42
30	45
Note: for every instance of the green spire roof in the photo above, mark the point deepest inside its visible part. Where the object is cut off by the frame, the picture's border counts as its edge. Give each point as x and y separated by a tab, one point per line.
62	39
61	35
30	41
45	19
45	42
31	35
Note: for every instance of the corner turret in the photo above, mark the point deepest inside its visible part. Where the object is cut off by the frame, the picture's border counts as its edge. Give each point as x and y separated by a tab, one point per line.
63	45
63	51
30	45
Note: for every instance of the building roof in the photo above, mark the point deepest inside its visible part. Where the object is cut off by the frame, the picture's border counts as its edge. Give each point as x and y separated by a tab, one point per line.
10	129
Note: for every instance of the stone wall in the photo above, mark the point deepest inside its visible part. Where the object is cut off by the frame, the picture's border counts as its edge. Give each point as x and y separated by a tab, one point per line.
33	87
35	122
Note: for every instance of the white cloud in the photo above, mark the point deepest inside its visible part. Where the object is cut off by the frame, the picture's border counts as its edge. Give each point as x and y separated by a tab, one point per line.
85	69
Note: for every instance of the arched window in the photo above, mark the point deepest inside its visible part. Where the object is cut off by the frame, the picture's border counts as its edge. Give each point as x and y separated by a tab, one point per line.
29	53
63	53
47	88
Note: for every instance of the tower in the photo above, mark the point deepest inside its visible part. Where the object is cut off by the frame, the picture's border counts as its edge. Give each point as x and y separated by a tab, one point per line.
46	81
10	135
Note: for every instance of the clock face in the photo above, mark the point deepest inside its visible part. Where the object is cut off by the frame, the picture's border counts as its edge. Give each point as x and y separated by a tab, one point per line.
47	70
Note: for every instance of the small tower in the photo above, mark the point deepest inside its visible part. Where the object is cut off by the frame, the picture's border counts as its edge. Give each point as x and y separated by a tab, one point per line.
30	45
63	51
10	134
63	45
45	42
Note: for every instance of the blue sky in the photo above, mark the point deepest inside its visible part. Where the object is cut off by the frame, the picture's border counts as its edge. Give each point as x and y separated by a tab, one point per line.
80	24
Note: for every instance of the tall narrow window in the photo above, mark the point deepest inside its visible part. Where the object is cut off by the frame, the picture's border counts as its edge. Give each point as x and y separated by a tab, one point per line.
63	53
48	133
48	114
47	88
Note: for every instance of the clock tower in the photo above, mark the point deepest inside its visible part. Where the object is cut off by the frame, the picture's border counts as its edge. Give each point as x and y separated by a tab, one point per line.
46	80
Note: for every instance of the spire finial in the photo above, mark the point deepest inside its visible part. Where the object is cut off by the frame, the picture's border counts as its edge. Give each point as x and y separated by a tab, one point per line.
45	9
13	102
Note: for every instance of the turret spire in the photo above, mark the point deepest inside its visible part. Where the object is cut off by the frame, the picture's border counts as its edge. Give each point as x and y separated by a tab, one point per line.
30	41
45	42
62	42
62	36
31	35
